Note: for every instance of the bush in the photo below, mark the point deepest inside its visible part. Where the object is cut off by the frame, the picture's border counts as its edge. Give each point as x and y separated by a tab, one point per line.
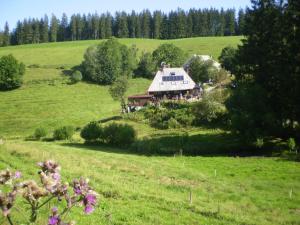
201	70
160	117
92	132
291	144
76	76
63	133
220	76
228	59
104	63
122	135
173	123
40	132
11	73
146	66
211	108
169	54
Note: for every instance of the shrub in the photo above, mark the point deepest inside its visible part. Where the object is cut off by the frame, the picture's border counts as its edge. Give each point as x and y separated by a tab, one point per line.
63	133
291	144
211	108
92	132
146	66
11	73
104	63
160	117
40	132
220	76
119	134
170	54
202	71
76	76
228	59
173	123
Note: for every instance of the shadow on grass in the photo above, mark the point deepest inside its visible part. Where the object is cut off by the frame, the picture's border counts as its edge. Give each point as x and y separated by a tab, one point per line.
177	145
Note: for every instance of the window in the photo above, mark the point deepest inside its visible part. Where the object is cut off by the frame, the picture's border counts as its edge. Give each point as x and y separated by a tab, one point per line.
172	78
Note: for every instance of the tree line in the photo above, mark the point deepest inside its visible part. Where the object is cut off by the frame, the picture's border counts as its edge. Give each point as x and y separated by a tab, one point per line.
156	25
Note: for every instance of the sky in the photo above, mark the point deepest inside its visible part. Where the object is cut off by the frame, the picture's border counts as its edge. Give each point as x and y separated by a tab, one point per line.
14	10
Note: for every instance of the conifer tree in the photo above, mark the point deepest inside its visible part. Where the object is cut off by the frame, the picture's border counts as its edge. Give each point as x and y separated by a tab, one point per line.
157	20
73	28
108	25
36	31
6	35
44	28
53	28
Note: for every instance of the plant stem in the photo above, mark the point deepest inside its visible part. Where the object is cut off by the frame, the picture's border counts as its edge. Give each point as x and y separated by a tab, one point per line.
9	220
44	203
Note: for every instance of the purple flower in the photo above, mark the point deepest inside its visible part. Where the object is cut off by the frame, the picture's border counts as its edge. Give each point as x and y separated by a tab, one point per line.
54	210
77	191
53	220
90	199
56	176
18	174
88	209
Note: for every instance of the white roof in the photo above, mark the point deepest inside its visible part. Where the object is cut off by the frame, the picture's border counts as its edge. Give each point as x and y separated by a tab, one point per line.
171	79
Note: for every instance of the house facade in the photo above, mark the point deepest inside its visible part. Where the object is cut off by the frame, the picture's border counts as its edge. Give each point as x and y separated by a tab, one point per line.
168	84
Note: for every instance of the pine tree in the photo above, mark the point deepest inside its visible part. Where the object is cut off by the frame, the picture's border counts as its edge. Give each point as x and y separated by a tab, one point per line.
230	22
121	26
63	31
146	23
53	28
138	26
95	26
44	29
102	26
165	31
157	21
36	31
19	33
73	28
241	22
108	25
132	24
28	31
189	24
6	35
79	26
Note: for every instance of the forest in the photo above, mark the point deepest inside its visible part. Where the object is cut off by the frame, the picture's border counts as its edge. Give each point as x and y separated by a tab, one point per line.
146	24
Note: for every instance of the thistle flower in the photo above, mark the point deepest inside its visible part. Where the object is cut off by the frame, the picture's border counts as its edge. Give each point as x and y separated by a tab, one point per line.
32	192
18	175
5	176
7	201
49	167
81	186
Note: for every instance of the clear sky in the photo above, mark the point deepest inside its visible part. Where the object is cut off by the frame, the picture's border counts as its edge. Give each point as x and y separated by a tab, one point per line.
13	10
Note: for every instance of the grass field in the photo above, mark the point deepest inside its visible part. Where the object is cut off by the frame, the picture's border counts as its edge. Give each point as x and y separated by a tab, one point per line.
47	100
138	189
155	190
71	53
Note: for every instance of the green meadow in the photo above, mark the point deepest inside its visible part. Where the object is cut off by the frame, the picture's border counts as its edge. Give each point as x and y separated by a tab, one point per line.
134	188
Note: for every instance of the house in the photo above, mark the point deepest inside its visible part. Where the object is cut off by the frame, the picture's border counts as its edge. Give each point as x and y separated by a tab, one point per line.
168	83
173	83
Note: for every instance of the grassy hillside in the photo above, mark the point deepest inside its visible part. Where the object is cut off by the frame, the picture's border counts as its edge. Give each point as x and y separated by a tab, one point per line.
155	190
71	53
137	189
47	100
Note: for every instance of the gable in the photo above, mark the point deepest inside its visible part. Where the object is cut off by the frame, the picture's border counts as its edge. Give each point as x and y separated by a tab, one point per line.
171	79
